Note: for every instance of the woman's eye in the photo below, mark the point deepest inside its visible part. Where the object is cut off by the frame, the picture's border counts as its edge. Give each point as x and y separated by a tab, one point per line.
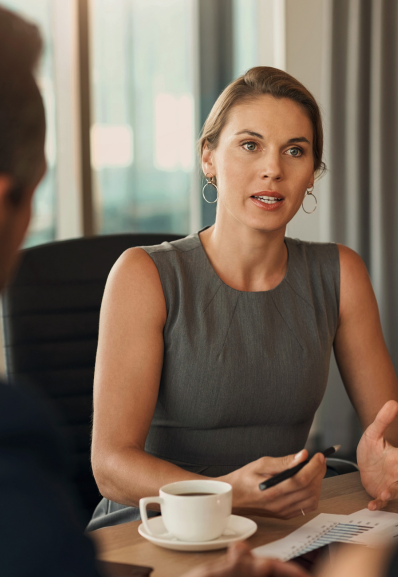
250	146
295	151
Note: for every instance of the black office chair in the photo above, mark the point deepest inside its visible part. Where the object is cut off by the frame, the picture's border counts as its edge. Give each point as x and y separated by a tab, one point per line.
50	319
335	467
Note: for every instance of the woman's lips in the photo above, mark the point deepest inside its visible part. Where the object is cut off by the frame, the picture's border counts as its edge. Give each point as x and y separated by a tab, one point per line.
270	201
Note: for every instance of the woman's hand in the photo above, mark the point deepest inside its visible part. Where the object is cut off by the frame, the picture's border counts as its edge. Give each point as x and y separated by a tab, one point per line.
285	500
378	460
239	562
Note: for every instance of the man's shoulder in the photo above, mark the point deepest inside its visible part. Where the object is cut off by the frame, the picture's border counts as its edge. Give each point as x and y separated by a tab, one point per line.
19	405
36	500
27	423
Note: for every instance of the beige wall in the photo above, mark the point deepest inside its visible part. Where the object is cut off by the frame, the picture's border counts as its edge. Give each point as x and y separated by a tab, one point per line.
304	20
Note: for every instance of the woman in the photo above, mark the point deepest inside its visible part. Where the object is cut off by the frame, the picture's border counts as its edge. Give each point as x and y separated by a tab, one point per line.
214	350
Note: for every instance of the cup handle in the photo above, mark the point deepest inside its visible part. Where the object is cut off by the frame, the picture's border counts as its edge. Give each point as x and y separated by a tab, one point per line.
144	517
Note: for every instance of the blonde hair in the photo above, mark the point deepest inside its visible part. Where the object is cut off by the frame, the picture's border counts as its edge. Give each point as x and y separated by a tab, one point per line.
256	82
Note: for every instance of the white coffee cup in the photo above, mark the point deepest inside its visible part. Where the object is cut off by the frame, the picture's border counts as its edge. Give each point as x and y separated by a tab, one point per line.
192	517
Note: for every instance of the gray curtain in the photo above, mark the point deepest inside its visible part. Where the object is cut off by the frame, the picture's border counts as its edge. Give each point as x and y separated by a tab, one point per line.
359	194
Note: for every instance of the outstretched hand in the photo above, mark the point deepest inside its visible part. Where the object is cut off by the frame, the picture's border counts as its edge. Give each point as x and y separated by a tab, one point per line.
378	459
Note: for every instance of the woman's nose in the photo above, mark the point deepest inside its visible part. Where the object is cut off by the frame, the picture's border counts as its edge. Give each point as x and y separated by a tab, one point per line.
271	166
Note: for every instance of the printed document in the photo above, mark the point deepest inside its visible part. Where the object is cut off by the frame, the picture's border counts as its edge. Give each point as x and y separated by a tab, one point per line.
370	528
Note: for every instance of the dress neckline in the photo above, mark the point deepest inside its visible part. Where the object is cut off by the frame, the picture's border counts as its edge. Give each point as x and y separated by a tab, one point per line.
214	273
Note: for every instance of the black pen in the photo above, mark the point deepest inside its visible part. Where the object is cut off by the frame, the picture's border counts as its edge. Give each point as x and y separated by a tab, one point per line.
291	472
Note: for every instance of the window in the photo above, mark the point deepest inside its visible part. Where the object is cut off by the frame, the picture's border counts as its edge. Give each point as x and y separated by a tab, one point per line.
143	132
245	34
148	59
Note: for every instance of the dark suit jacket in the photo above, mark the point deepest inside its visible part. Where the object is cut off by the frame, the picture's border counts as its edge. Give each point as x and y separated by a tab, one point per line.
40	530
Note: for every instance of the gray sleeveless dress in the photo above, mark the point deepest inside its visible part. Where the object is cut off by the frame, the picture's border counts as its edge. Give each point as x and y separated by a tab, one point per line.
243	372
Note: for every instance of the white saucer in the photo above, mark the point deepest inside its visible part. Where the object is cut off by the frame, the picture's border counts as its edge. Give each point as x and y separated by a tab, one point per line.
238	529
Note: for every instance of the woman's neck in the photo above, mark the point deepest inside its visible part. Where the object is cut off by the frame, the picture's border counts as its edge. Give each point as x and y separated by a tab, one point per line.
244	258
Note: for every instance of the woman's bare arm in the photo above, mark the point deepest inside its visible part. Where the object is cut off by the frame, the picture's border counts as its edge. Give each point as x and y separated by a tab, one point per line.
370	380
127	375
361	353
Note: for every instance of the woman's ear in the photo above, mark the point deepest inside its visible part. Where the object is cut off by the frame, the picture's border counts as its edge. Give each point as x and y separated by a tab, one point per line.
207	161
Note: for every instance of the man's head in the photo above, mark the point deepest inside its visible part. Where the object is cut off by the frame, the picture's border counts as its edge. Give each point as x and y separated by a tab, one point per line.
22	133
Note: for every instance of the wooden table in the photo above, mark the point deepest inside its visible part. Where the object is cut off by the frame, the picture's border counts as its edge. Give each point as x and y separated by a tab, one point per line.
123	543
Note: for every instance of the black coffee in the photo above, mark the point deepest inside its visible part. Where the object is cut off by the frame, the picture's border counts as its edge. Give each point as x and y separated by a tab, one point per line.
194	494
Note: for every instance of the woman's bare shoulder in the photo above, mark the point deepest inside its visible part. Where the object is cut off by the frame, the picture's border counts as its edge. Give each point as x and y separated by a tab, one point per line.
134	279
349	256
351	265
356	292
135	261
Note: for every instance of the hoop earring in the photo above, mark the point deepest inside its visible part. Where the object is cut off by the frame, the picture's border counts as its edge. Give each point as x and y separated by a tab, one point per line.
209	180
308	192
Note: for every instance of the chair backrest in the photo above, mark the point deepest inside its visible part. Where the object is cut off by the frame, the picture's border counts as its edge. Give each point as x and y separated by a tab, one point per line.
50	319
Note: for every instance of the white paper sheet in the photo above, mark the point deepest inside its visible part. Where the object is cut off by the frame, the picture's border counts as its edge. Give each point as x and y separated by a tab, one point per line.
385	530
370	528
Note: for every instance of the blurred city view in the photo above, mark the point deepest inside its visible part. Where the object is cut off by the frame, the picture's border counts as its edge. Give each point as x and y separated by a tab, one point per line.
143	136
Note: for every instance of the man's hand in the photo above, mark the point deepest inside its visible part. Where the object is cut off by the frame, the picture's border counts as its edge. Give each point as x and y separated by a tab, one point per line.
378	459
239	562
